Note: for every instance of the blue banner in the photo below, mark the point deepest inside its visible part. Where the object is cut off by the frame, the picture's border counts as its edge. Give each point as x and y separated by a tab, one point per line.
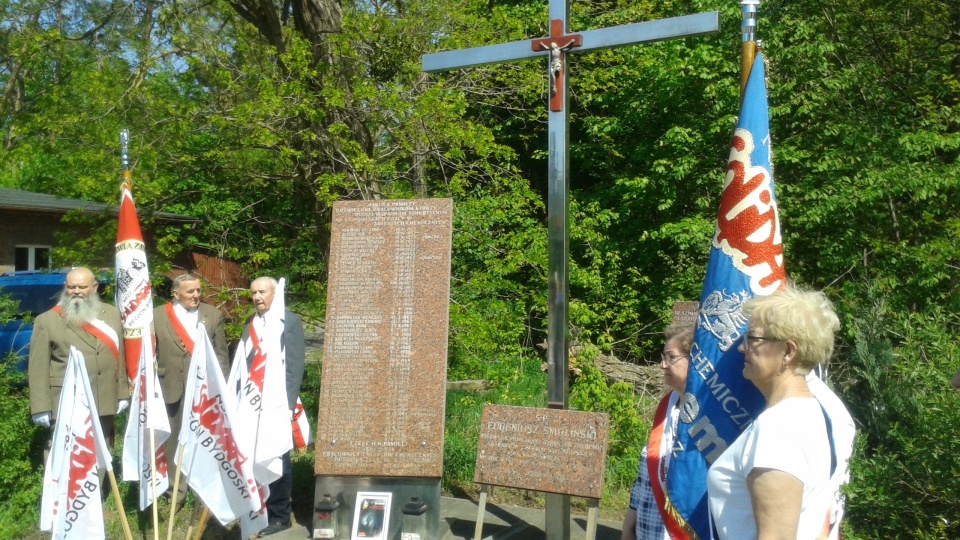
746	259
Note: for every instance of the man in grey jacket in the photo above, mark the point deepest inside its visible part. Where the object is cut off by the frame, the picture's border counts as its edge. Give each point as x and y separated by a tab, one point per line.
262	291
177	330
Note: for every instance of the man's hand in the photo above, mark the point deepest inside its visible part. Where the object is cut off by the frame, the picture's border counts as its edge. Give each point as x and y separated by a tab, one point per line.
42	419
123	405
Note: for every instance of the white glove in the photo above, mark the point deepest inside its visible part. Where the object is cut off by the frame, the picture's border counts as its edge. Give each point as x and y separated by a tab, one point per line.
122	405
41	419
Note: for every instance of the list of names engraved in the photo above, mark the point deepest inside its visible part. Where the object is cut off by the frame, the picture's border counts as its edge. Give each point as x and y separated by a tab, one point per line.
382	391
552	450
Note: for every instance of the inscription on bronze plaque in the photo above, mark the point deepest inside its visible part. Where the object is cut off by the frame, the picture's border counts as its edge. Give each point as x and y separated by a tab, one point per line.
385	348
552	450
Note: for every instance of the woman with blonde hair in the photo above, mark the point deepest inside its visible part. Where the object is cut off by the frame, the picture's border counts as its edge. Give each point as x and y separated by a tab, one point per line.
774	481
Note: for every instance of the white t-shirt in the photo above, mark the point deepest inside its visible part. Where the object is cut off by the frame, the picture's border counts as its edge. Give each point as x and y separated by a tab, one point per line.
843	432
791	437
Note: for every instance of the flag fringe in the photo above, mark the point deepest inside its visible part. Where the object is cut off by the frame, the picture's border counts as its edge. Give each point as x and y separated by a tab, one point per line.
678	518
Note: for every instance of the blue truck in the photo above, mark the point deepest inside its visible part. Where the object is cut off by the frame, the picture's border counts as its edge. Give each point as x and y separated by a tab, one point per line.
35	293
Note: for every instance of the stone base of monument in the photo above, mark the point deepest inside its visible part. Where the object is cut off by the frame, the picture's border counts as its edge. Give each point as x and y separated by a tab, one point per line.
372	508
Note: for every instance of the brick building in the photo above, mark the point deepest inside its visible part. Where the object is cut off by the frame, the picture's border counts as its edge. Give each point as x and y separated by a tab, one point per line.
30	223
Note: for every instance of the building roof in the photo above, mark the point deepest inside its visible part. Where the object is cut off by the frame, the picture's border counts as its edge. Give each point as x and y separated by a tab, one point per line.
15	199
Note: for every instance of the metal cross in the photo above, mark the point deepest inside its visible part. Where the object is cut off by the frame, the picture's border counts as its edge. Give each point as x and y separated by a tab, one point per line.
557	46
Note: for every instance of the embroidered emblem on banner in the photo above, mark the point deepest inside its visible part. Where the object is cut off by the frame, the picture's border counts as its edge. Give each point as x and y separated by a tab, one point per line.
721	314
748	229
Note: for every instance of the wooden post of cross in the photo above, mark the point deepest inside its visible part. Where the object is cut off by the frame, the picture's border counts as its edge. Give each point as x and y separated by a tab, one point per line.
556	47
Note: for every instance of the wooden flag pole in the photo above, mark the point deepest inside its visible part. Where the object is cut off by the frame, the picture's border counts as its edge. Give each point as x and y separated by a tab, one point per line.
116	496
202	523
748	47
174	493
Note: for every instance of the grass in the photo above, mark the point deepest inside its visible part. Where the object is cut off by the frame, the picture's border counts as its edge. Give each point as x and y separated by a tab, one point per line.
462	427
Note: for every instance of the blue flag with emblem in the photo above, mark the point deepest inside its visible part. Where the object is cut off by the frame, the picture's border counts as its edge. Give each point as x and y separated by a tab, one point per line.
746	259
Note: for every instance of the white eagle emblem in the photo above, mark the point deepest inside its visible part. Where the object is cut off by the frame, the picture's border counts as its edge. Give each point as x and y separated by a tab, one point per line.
721	315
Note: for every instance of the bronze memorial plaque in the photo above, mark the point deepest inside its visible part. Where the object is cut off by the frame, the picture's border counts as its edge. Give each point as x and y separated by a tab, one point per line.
552	450
382	392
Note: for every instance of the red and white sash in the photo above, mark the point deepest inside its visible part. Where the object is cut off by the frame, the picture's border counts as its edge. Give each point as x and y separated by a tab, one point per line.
300	424
658	461
258	366
101	331
179	329
302	436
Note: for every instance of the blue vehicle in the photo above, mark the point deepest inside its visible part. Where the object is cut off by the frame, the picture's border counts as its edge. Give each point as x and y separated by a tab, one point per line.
36	292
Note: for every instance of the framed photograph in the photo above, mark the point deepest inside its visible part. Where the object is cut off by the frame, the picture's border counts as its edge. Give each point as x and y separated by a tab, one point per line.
371	516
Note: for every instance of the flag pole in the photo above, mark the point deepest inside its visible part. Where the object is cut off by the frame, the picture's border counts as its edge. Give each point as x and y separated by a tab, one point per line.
125	171
748	47
174	493
153	480
125	158
202	523
116	496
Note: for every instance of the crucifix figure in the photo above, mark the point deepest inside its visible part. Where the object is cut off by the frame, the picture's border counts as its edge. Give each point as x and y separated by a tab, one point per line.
557	46
557	59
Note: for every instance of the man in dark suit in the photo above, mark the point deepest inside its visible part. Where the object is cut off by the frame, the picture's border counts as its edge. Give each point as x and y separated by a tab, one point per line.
177	329
80	320
263	290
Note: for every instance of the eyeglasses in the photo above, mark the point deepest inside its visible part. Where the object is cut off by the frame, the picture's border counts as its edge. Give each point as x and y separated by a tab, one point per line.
667	360
750	342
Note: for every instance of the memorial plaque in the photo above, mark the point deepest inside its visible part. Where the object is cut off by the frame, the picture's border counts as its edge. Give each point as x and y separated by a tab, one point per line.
551	450
685	312
382	392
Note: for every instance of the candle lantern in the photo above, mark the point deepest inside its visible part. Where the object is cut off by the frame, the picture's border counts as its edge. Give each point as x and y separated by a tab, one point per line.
325	519
414	520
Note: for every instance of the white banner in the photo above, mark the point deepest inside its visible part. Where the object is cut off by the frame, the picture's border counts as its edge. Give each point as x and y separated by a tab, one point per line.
217	446
148	415
71	505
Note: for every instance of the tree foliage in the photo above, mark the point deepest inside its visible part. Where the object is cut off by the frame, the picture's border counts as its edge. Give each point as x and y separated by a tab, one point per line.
257	116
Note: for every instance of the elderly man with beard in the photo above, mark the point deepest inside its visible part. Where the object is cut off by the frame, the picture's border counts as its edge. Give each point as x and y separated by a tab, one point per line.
81	321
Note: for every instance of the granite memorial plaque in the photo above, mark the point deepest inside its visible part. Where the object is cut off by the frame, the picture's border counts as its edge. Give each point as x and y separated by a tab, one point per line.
382	392
684	313
550	450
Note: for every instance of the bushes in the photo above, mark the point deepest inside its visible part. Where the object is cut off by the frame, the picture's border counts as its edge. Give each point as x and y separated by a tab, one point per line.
21	451
628	429
905	472
461	435
525	386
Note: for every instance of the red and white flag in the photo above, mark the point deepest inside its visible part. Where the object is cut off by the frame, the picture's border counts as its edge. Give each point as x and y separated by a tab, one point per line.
302	436
148	414
133	296
262	390
217	447
261	397
71	505
147	427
